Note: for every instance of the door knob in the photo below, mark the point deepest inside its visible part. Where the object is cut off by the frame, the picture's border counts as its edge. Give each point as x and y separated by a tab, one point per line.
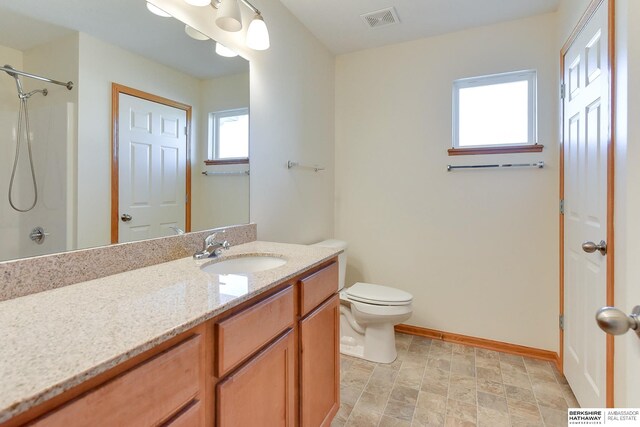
616	322
126	217
590	247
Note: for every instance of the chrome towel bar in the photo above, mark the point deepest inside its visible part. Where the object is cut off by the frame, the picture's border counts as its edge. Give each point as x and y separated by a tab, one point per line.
538	165
291	164
207	173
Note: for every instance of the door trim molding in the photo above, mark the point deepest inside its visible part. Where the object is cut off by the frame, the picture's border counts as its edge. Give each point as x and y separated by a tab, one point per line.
116	90
504	347
588	14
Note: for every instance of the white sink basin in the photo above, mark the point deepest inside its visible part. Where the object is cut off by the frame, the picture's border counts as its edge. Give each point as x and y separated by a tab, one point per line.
247	264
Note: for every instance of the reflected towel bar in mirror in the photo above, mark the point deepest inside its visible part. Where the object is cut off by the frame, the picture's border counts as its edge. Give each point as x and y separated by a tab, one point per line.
291	164
207	173
538	165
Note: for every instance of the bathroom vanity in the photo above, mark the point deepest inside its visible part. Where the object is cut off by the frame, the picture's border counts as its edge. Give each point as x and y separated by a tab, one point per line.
175	346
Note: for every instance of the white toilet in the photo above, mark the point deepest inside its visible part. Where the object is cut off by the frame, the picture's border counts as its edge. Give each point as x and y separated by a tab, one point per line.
368	314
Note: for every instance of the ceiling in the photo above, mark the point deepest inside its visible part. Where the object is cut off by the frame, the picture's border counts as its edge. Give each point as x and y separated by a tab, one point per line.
124	23
337	23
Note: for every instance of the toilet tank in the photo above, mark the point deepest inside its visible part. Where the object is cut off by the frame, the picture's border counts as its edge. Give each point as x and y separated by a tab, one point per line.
342	258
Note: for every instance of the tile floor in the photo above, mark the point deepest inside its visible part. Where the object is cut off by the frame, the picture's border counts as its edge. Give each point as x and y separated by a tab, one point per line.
434	383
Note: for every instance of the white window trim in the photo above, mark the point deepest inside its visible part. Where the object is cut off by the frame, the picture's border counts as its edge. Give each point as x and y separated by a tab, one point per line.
214	118
529	75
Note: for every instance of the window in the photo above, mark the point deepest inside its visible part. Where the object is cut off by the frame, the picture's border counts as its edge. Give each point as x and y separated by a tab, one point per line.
229	136
495	114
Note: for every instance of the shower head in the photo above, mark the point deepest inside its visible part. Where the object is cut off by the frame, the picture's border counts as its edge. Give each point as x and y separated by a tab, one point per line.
44	92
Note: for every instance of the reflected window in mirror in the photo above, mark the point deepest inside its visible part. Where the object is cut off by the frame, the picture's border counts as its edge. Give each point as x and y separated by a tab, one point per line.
229	136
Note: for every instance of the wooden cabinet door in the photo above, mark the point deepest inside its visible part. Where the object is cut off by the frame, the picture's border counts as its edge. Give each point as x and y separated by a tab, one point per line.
262	392
320	364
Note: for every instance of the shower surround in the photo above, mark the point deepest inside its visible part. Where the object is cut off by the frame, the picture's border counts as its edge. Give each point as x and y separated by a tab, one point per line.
51	126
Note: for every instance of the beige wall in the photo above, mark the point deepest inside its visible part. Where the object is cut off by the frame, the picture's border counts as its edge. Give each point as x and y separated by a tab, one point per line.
569	13
477	249
221	200
292	118
100	65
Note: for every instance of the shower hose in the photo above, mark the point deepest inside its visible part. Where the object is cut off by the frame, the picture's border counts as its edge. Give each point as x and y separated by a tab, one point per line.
23	130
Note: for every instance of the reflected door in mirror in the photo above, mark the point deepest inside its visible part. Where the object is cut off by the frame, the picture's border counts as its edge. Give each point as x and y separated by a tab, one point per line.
152	162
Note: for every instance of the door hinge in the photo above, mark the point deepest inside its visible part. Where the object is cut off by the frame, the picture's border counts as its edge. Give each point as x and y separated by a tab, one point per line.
563	90
185	130
561	321
186	199
562	207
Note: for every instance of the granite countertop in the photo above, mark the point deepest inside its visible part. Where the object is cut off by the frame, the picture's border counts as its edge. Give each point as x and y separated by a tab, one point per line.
54	340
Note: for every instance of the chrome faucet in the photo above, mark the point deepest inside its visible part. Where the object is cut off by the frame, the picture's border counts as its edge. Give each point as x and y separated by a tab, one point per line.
211	247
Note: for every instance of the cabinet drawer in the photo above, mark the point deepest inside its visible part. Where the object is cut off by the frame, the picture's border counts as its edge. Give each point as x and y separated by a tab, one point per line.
143	396
242	334
315	289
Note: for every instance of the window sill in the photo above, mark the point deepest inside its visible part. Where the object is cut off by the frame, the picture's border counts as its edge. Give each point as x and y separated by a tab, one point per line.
239	161
537	148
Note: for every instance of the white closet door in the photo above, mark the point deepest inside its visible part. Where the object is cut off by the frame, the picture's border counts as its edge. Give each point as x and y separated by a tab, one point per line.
586	121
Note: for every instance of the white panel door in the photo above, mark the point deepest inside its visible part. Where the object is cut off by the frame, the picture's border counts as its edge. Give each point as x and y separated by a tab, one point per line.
586	125
152	169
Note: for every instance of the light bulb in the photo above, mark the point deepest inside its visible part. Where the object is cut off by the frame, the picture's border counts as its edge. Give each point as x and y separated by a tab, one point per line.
222	50
229	18
198	2
194	34
257	34
157	11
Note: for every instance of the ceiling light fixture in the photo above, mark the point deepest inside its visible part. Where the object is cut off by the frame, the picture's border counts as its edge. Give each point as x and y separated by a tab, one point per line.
157	11
194	34
257	34
229	18
222	50
198	2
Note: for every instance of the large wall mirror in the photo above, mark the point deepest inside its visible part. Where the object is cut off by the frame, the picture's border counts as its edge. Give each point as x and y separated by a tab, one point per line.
152	139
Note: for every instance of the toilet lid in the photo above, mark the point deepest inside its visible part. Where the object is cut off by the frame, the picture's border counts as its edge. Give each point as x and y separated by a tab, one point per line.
376	294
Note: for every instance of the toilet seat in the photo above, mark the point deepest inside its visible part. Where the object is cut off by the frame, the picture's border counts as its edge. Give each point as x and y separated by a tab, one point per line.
382	312
378	295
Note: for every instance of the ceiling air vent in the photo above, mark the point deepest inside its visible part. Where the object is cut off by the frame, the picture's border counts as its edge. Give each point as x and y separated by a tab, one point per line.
381	18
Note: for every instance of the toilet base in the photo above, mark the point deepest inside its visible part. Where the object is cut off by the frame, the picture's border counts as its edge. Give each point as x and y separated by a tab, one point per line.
351	348
376	344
